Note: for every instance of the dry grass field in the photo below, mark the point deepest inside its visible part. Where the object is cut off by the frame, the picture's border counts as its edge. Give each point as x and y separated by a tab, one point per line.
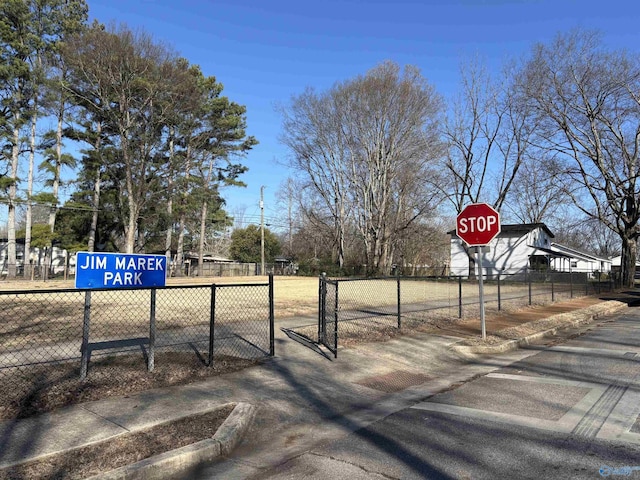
293	296
43	318
35	317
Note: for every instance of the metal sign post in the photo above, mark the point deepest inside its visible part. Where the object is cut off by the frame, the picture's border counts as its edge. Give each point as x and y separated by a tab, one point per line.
477	225
481	289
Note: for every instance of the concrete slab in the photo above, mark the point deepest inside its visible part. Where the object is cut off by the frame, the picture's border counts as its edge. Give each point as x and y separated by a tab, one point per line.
515	397
52	433
623	423
157	406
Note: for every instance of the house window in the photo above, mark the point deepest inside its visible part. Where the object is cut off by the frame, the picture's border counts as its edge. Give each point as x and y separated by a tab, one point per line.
574	264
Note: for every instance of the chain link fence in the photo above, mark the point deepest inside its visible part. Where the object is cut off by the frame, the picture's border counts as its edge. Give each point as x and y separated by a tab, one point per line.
53	340
367	309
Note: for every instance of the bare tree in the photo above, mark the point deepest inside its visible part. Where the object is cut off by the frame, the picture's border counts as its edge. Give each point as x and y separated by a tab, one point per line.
488	134
315	138
286	198
587	101
424	248
537	192
367	147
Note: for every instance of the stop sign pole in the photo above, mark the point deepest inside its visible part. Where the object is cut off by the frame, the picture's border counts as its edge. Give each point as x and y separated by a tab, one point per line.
477	224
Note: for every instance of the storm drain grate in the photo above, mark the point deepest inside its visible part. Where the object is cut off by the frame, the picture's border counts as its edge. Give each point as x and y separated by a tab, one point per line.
395	381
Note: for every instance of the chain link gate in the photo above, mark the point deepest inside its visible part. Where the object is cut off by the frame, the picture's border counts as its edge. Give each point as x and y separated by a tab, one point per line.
328	314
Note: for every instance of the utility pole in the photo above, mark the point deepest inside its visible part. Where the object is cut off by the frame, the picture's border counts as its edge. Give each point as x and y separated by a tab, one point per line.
262	230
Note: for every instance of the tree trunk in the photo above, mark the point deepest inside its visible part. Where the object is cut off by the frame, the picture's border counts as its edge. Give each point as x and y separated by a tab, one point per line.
131	229
339	229
167	242
13	191
28	221
94	217
57	168
96	192
132	221
182	221
203	227
169	235
180	247
628	261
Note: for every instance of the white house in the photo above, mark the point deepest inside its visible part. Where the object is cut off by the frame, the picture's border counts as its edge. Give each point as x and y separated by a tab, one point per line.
36	258
521	247
577	261
617	261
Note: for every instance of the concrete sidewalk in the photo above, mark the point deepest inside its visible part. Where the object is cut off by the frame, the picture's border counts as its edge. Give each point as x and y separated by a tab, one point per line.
301	397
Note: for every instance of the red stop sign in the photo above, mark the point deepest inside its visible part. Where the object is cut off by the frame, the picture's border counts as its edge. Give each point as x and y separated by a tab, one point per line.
477	224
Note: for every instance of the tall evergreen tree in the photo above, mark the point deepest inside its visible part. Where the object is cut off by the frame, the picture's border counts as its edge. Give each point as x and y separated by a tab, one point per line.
17	43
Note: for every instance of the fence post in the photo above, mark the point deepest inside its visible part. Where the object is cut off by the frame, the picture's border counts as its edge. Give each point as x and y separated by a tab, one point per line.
335	323
571	284
499	297
271	318
212	317
152	332
553	296
322	299
319	304
460	297
84	349
529	275
399	312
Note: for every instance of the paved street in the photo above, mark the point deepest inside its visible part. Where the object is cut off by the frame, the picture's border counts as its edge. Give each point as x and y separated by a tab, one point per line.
566	411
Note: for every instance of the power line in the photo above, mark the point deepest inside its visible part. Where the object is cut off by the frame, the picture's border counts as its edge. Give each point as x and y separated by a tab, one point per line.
49	205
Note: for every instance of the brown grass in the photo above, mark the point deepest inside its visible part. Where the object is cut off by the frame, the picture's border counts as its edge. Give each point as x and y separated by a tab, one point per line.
48	387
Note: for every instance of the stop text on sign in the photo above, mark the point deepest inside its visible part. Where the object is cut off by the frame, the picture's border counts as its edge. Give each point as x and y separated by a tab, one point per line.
477	224
118	270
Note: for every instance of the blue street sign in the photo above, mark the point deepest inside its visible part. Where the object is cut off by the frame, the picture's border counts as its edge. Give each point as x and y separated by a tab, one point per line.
120	270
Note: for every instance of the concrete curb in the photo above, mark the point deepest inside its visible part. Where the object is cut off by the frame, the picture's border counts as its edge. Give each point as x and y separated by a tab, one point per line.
563	320
176	461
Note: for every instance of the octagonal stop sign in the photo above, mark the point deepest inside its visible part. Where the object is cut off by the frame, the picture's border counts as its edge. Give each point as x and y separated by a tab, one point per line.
477	224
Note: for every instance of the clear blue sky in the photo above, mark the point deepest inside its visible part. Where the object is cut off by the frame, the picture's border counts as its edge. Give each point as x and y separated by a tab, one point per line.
266	51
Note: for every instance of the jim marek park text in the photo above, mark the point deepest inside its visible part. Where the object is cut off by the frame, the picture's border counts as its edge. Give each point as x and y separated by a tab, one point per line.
109	270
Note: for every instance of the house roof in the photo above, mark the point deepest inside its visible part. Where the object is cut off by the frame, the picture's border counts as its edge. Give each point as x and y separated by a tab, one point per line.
525	228
518	228
208	258
577	253
551	253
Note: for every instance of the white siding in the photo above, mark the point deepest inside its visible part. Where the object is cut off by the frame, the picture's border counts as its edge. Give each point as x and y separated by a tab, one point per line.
36	256
508	253
459	258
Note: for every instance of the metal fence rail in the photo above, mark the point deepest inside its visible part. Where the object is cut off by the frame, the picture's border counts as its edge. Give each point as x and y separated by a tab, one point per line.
47	336
367	307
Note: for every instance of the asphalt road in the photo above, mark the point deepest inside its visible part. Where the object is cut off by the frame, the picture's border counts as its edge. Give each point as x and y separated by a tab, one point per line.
568	411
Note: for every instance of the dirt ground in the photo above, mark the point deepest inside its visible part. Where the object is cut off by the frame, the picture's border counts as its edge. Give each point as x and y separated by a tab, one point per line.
495	323
121	450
